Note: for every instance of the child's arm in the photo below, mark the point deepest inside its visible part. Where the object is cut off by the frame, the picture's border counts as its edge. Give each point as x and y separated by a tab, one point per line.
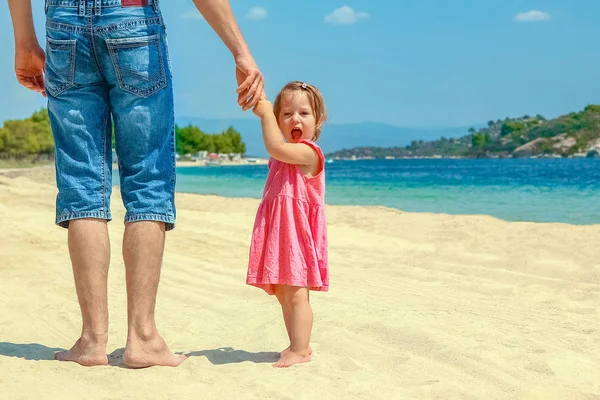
290	153
219	16
29	57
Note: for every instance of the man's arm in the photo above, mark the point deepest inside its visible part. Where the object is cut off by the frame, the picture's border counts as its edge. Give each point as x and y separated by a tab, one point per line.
22	19
29	57
219	16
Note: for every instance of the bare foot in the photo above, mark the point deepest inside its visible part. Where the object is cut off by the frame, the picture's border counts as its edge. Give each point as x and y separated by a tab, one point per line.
291	358
141	353
88	351
287	350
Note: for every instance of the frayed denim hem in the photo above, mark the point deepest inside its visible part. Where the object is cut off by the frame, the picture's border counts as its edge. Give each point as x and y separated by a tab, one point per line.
169	220
63	219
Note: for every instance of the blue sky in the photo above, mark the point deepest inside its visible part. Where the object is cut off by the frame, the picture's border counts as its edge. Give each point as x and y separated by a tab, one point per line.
402	62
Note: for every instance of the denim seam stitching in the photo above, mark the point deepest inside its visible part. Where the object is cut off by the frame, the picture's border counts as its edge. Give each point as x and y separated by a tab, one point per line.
128	24
72	63
135	214
67	216
166	218
104	162
161	71
104	4
132	41
61	26
94	53
72	48
114	63
135	73
173	139
160	84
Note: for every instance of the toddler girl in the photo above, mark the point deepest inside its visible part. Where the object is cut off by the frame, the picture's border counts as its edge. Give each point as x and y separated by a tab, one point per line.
288	254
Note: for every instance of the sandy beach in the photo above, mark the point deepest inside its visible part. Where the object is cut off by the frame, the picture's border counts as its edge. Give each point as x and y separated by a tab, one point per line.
421	306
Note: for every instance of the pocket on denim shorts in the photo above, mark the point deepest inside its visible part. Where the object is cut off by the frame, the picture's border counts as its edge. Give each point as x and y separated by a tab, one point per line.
60	65
138	64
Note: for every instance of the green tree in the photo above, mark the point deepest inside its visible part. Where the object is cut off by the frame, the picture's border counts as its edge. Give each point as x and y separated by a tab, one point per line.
223	144
3	139
31	136
236	140
191	139
112	137
593	108
188	139
480	140
546	147
511	126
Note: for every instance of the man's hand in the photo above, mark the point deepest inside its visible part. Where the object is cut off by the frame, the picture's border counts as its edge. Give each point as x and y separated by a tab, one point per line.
29	68
250	82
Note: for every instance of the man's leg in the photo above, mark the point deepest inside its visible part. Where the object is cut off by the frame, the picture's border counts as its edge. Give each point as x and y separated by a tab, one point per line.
80	119
135	63
143	246
89	248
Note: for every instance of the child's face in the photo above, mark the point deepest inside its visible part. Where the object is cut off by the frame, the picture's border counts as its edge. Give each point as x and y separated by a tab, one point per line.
296	118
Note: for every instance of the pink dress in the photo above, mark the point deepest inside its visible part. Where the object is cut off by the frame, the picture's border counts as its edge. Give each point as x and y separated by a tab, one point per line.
289	239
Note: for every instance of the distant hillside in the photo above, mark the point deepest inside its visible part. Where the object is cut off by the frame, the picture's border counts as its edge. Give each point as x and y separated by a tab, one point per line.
334	137
574	134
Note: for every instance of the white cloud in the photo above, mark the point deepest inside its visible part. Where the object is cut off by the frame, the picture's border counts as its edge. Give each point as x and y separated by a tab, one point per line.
532	16
345	16
192	14
256	13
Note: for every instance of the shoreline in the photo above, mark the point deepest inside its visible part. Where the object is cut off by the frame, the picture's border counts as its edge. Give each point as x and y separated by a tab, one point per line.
178	164
45	175
242	163
264	161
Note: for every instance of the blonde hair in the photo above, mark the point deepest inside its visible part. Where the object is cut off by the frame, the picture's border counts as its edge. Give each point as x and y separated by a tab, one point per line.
317	103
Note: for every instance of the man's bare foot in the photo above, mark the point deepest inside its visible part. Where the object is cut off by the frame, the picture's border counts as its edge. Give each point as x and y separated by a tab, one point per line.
291	358
153	351
88	351
287	350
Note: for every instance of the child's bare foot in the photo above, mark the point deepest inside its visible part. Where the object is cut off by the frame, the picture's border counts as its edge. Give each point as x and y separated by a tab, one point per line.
88	351
291	358
287	350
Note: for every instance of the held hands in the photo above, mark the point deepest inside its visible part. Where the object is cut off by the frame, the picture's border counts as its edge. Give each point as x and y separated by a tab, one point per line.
29	67
250	81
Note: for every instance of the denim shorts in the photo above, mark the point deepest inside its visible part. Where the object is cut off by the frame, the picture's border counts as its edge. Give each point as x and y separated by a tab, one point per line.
107	67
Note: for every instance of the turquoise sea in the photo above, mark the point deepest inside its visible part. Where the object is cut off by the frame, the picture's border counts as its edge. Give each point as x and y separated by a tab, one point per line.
539	190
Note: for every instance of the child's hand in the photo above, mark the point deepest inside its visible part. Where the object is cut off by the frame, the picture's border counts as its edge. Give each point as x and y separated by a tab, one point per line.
263	108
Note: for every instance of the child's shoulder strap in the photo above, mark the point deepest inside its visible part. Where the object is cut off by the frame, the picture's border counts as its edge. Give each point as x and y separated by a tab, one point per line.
319	152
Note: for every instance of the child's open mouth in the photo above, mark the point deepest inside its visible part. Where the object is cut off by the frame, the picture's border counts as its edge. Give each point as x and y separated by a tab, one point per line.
296	134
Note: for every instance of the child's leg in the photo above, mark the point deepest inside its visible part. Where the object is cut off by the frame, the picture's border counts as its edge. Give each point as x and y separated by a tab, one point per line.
287	311
287	315
301	327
